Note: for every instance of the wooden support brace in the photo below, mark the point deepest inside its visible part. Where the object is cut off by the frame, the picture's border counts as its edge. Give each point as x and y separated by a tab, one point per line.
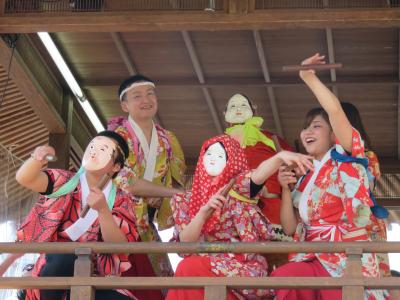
215	293
353	270
83	268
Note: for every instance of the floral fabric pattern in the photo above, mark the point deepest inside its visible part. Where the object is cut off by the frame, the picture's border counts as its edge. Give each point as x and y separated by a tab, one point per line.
338	209
49	218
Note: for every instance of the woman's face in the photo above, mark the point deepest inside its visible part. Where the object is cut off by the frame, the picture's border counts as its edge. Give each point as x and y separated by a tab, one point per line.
317	138
238	110
140	102
214	161
99	154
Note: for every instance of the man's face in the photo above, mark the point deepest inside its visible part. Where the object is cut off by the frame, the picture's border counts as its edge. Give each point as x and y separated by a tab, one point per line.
99	153
238	110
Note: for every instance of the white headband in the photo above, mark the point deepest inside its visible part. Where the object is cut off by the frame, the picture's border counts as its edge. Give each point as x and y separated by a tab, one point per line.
133	85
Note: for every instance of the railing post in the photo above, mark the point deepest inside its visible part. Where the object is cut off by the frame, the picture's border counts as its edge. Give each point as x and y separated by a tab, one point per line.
353	270
215	293
83	268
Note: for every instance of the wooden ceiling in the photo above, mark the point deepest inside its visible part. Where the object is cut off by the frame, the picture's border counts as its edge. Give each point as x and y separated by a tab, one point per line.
200	58
188	66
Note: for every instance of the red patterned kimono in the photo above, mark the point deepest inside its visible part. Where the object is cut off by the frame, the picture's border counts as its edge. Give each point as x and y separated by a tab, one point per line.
49	218
333	208
240	220
256	154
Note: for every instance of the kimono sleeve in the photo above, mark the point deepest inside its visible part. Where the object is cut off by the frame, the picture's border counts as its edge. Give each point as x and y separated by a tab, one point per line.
44	219
357	145
128	174
251	225
124	217
354	184
177	163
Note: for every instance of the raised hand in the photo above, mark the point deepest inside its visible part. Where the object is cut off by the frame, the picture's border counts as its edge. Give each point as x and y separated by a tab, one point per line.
303	162
40	153
316	59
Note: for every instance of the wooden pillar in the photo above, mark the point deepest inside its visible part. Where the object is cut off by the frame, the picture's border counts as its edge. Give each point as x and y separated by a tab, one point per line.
353	270
238	6
83	268
62	141
215	293
2	7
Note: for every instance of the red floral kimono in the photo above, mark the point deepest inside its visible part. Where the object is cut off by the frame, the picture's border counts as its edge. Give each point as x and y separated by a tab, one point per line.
49	218
333	208
240	220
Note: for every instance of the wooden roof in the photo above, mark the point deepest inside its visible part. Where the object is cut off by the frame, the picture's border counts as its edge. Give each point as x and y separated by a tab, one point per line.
221	63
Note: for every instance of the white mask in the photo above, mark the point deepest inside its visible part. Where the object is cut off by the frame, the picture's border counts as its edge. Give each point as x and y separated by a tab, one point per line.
238	110
98	153
214	161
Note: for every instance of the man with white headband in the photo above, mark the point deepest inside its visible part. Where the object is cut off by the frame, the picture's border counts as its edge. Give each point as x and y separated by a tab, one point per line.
155	162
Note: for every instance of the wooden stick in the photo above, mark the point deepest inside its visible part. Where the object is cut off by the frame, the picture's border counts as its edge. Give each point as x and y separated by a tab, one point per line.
296	68
101	184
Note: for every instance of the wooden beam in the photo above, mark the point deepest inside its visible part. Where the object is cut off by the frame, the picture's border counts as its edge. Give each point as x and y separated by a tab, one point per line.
2	6
238	6
331	58
250	82
200	76
199	20
267	78
62	141
398	101
130	65
25	81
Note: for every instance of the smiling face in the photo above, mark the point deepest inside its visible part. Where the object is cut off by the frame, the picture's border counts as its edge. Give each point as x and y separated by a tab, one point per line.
238	110
140	102
99	154
214	161
318	137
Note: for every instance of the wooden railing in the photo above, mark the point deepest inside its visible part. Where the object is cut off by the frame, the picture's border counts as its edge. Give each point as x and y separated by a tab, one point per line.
82	285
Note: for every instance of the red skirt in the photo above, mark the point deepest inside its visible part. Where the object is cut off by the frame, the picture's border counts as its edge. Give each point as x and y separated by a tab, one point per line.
193	266
311	268
141	267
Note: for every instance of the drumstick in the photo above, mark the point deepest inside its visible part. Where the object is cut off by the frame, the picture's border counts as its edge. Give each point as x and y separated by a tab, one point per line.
101	184
224	192
296	68
50	158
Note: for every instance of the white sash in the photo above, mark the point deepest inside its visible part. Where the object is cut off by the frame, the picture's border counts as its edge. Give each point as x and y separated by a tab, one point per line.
303	206
150	152
76	230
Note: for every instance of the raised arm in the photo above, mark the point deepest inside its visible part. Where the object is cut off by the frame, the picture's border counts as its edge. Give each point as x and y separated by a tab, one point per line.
30	174
329	102
270	166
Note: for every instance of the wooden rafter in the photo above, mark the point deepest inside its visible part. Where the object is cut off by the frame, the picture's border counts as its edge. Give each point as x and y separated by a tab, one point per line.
267	78
251	82
128	62
398	105
200	76
331	57
24	80
199	20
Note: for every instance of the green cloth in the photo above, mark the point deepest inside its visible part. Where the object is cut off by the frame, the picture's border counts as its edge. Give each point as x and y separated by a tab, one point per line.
250	134
71	184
